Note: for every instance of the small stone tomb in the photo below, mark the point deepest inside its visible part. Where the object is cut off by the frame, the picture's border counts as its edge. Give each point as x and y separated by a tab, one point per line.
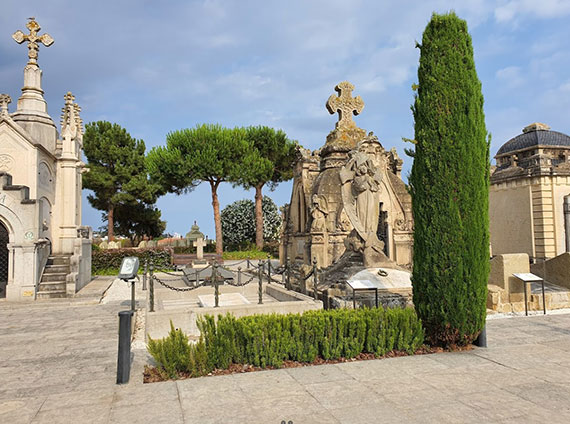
226	299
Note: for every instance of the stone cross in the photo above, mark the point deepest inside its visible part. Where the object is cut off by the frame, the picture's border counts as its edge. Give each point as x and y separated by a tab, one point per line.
32	38
345	105
5	100
199	245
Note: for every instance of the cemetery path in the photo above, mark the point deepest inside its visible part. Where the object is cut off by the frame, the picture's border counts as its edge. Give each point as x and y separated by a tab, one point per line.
58	364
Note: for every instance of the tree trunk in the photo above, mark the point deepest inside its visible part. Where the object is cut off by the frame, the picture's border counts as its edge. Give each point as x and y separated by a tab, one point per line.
217	219
110	224
258	217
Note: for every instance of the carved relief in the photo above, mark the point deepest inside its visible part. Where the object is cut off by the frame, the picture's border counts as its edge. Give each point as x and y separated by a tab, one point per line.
6	162
319	212
343	222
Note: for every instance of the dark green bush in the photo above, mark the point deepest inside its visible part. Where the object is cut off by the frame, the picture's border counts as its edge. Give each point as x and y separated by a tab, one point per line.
102	260
268	340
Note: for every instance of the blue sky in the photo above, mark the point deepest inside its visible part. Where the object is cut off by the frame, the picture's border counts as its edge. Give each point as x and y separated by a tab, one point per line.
155	67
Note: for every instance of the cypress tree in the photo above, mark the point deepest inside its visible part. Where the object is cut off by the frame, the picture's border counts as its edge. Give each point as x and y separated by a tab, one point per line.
450	187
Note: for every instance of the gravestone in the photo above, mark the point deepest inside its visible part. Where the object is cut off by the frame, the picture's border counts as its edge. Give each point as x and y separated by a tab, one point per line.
114	245
199	245
143	244
104	245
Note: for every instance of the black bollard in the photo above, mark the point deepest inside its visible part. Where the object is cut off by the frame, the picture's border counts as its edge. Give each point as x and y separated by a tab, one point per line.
124	355
239	276
268	268
481	341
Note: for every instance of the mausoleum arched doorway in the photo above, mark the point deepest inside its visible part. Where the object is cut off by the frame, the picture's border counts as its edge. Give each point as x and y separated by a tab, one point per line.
4	240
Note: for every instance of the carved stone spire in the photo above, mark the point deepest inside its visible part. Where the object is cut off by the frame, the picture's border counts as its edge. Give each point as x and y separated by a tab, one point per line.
5	100
33	38
71	122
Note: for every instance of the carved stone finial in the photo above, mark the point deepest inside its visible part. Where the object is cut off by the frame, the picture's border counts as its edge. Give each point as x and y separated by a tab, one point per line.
345	105
5	100
32	38
70	119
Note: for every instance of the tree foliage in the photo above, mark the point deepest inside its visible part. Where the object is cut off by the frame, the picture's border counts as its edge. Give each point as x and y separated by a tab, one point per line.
450	187
277	154
238	222
117	173
207	153
138	221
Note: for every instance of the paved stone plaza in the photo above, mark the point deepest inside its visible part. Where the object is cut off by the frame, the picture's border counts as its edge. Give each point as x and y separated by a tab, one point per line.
58	364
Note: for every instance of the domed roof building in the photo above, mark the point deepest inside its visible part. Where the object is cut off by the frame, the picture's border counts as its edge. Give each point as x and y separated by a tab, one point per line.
528	188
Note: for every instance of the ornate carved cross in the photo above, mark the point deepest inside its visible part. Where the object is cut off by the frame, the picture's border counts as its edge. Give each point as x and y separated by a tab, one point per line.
32	38
345	104
5	100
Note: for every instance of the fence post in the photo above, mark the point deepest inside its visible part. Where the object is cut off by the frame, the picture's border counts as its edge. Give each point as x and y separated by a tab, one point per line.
239	276
260	288
268	268
215	281
133	302
151	283
288	275
247	262
315	279
145	274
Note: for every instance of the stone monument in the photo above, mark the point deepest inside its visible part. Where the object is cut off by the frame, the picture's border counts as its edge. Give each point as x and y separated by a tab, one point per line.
349	208
44	250
348	194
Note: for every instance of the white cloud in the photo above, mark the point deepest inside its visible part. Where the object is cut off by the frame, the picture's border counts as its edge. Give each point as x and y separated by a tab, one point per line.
511	76
539	9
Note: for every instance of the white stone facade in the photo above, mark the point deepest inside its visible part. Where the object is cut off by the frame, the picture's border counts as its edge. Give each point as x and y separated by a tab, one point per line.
40	192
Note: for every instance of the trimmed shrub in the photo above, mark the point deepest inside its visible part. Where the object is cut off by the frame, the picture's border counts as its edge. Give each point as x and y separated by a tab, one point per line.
450	187
103	260
268	340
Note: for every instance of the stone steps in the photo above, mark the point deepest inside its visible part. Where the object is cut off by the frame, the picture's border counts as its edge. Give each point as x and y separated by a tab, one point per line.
53	282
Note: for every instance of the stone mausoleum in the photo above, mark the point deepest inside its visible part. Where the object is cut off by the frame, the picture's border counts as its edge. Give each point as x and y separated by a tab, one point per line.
348	201
529	187
44	250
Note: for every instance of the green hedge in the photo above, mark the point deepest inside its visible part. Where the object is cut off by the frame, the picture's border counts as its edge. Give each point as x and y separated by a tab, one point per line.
102	260
268	340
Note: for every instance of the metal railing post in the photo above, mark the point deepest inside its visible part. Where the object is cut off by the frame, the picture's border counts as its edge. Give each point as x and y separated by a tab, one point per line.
315	279
247	262
151	284
215	281
268	268
239	275
260	288
145	274
133	301
288	276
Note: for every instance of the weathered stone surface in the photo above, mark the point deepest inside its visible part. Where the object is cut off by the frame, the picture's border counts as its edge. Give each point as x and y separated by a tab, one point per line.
340	195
